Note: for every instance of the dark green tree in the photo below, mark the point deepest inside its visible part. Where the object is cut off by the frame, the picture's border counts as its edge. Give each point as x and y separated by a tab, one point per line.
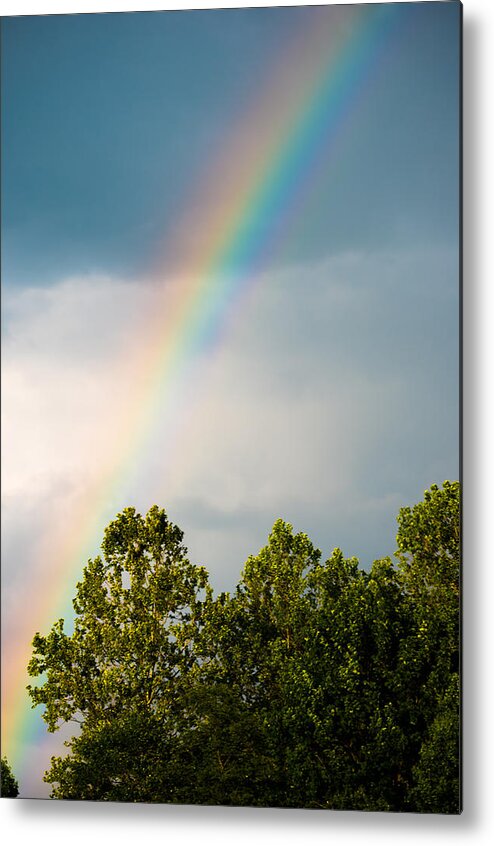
315	684
221	757
311	648
428	678
436	787
122	674
260	637
8	784
354	658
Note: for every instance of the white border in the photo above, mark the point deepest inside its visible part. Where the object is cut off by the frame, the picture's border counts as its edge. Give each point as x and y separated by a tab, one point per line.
41	7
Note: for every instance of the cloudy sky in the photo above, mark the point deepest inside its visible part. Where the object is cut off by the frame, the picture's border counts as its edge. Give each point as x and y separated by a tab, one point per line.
330	394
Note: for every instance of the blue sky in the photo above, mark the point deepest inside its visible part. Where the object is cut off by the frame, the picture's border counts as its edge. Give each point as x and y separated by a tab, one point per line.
107	119
333	400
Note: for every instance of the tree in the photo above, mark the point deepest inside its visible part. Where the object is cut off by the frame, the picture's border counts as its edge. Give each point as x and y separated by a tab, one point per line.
121	676
262	644
311	649
351	673
354	658
436	786
428	679
9	785
221	757
315	684
429	549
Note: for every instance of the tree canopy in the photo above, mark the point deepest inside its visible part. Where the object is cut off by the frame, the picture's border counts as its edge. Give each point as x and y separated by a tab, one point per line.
8	784
315	684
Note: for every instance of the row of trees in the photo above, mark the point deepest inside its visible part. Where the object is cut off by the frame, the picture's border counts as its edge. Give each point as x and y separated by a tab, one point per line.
315	684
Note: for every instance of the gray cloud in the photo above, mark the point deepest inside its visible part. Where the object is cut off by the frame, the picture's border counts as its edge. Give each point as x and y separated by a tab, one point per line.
336	390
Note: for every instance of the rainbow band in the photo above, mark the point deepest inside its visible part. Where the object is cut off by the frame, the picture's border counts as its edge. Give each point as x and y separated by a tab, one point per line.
240	209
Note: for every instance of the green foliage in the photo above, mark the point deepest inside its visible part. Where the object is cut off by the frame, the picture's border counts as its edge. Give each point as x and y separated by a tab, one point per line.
8	784
437	785
429	568
315	684
127	662
429	549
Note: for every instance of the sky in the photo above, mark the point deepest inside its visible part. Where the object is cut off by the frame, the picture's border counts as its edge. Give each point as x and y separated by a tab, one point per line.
230	286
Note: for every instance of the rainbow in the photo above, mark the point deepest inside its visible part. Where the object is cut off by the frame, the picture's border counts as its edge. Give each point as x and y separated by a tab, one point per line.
246	200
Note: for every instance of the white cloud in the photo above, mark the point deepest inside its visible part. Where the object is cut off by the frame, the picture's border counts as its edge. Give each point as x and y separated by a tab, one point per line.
315	404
